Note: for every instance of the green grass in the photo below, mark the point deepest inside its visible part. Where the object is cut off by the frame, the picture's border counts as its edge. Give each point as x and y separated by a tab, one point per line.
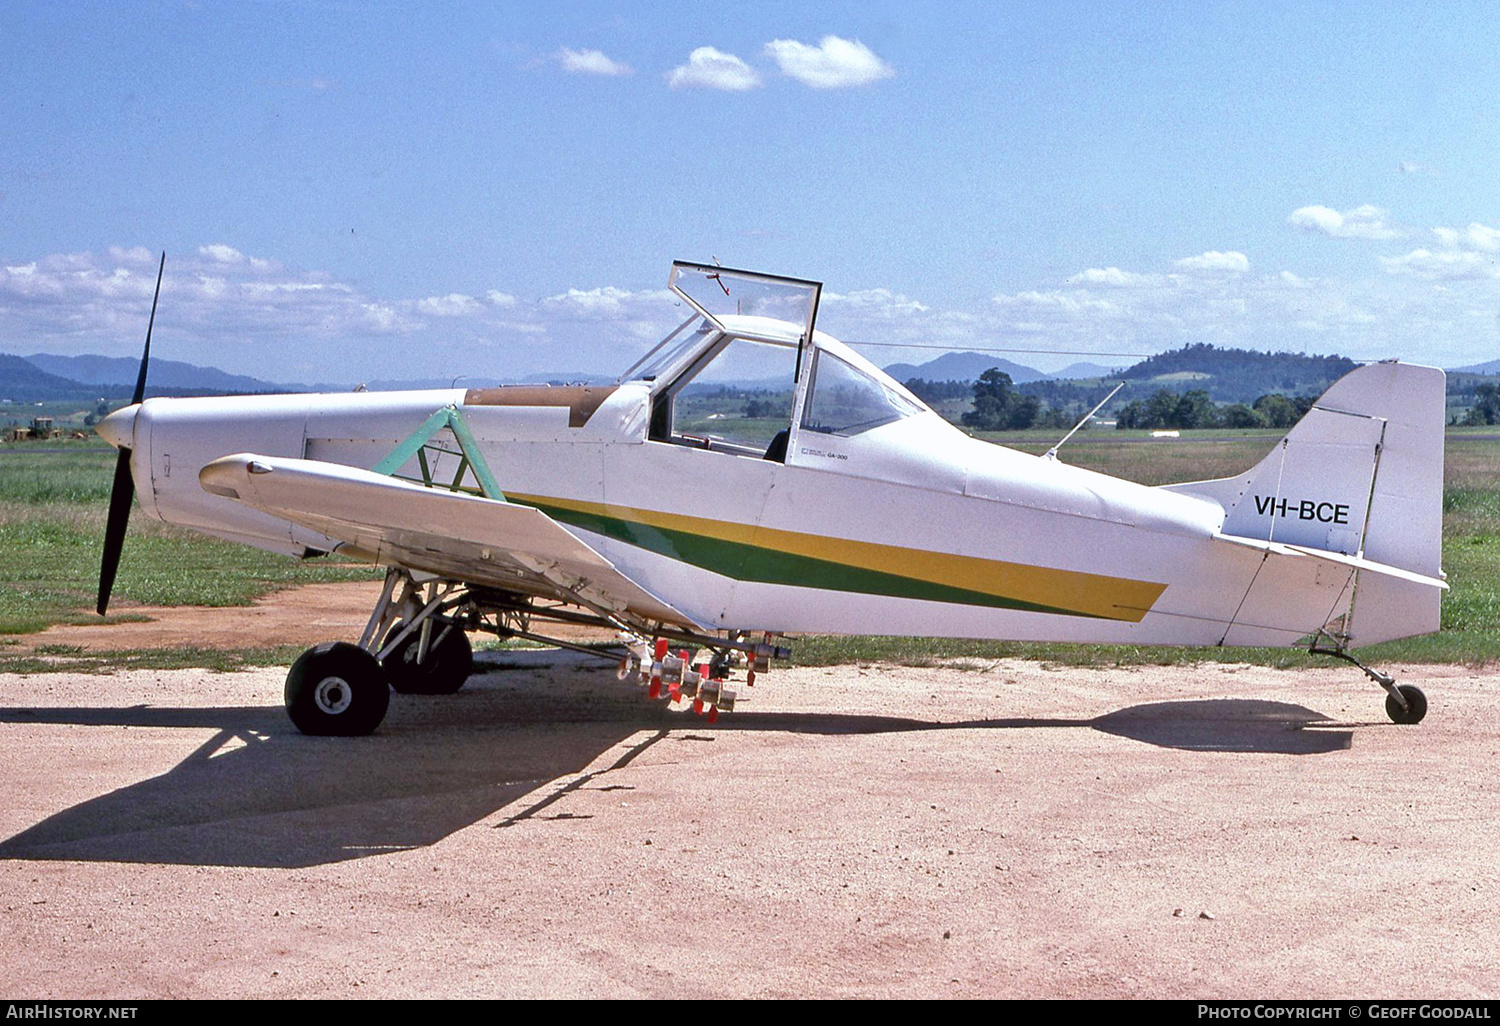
216	660
53	504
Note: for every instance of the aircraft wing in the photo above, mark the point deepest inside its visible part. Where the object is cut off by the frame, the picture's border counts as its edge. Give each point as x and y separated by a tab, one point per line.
453	534
1355	562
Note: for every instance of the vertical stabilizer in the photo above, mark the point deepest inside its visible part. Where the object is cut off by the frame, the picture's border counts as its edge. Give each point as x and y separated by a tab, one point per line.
1362	475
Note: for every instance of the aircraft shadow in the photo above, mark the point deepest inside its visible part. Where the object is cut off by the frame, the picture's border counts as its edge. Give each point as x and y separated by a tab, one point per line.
257	793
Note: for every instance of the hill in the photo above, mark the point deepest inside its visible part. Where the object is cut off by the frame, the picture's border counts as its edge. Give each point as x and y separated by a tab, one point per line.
962	367
23	382
1238	375
1493	367
165	374
112	376
1074	371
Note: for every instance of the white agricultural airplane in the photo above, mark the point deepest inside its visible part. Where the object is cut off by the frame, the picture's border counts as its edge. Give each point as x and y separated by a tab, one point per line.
859	511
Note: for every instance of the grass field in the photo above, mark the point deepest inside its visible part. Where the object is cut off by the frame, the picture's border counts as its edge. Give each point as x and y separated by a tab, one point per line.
53	501
53	498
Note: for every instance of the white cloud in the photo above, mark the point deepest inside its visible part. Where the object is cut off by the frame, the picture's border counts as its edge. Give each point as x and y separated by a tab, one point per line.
251	315
133	255
1476	236
605	302
1057	303
220	253
262	288
1465	254
1363	222
1444	264
1412	167
708	68
591	62
833	64
1214	261
877	302
381	317
454	304
1113	277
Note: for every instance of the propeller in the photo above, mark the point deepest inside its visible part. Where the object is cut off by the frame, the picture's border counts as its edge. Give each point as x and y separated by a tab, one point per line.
122	493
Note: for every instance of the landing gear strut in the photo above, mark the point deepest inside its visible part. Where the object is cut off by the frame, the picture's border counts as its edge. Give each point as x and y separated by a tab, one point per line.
416	642
1404	703
441	669
344	690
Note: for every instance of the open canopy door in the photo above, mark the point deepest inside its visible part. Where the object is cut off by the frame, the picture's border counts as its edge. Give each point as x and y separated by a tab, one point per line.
717	292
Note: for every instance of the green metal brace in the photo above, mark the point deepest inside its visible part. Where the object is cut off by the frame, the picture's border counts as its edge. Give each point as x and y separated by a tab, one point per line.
416	444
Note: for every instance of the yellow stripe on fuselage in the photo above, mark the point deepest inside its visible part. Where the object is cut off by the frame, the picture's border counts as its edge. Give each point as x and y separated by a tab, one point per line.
1115	598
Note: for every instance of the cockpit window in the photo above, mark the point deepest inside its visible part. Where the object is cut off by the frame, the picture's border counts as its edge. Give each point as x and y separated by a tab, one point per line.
670	352
736	398
845	401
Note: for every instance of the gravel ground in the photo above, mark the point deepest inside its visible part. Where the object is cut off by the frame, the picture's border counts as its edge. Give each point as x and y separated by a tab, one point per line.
986	830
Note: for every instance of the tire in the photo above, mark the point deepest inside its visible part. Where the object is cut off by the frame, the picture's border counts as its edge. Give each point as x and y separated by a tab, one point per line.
336	690
1416	705
448	663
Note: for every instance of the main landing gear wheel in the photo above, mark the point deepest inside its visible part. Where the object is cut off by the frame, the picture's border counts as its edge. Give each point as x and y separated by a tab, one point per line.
1416	705
448	664
336	689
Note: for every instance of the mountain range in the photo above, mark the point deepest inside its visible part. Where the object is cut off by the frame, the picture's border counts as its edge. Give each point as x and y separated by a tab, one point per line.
44	376
1493	367
968	367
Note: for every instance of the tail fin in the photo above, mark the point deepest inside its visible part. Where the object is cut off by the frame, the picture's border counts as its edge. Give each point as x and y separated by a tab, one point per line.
1362	475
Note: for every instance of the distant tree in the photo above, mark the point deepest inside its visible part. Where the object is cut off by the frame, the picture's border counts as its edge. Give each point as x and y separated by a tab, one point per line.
1167	409
937	391
1195	410
998	406
1241	416
1486	408
1279	411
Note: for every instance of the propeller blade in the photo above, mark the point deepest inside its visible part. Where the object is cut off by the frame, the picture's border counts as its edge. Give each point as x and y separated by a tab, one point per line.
122	492
140	381
121	495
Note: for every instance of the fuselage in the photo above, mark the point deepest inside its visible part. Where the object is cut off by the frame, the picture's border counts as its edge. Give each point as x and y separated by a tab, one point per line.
908	526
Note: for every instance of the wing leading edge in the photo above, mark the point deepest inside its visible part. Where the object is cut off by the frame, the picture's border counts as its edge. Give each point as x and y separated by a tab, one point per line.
453	534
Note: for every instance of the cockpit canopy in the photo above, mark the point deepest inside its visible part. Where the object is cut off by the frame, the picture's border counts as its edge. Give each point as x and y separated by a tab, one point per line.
749	364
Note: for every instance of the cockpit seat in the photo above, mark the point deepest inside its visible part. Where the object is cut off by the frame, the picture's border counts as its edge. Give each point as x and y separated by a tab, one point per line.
777	449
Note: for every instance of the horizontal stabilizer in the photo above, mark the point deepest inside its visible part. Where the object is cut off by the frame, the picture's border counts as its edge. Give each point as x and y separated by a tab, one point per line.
1354	562
451	534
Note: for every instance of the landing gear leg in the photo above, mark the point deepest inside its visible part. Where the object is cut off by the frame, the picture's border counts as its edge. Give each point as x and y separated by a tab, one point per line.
1404	703
435	659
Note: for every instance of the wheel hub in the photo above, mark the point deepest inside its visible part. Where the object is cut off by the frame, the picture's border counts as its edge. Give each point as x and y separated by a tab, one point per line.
333	695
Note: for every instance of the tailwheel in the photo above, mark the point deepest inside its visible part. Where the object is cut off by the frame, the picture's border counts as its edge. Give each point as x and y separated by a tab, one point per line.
336	689
449	661
1416	705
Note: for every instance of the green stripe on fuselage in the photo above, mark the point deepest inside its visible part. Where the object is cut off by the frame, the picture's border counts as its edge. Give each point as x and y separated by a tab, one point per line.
746	562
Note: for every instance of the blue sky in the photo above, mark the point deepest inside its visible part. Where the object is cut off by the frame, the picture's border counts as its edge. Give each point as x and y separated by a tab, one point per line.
368	190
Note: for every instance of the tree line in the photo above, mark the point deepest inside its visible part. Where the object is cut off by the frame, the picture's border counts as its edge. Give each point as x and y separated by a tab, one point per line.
1000	406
